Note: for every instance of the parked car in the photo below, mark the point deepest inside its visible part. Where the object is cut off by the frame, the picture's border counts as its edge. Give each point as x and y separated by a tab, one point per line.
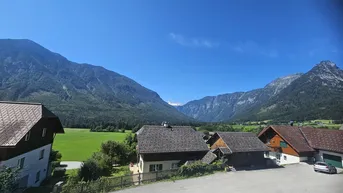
324	167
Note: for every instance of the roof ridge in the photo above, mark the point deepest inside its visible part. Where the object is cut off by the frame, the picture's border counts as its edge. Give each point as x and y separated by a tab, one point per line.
17	102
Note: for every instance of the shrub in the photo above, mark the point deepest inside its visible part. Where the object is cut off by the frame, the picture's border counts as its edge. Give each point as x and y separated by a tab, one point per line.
90	170
8	178
59	172
198	168
104	162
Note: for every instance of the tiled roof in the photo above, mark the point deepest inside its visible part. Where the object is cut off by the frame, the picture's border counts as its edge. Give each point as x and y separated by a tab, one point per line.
159	139
16	119
324	139
292	135
242	142
209	157
225	150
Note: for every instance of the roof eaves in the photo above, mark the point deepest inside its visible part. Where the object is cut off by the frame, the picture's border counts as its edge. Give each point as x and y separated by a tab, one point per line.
225	143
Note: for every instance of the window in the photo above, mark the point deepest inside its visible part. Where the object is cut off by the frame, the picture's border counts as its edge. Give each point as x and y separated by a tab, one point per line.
27	136
21	163
155	167
283	144
278	156
284	157
44	132
267	154
37	176
41	154
175	165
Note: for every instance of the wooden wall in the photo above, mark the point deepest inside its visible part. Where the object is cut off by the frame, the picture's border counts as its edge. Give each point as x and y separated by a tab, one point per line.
219	143
275	143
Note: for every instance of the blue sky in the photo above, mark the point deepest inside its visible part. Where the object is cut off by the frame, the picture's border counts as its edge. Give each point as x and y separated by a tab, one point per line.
184	49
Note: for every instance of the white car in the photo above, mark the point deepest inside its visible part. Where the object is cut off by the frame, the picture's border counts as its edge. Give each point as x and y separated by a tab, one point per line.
324	167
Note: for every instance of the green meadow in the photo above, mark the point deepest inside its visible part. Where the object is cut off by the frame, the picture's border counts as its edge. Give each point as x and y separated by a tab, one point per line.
79	144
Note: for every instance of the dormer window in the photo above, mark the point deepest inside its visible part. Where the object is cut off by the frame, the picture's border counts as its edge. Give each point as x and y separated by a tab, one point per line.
43	132
27	136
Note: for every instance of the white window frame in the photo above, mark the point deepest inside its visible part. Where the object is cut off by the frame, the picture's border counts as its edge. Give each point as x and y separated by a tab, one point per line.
156	168
27	136
41	154
37	177
21	163
44	132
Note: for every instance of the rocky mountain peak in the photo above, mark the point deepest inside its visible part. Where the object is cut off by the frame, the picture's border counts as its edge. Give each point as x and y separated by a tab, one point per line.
282	82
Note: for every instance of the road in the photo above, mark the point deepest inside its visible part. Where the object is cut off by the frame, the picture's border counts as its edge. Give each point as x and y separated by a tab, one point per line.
69	165
298	178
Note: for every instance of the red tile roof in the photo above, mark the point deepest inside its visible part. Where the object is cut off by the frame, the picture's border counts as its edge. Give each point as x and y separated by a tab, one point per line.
324	139
292	135
305	139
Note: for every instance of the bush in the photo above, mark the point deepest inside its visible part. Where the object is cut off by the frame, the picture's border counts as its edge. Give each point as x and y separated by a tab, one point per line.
90	170
8	178
104	162
198	168
59	172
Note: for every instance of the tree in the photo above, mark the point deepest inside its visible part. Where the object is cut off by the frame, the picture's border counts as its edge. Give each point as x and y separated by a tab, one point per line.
90	170
104	162
55	159
119	152
8	180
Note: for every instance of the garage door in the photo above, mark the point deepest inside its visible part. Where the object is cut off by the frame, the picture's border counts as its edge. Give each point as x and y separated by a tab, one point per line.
333	160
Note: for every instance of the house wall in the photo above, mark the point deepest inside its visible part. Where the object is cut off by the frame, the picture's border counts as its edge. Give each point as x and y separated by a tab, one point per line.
275	143
245	159
285	158
184	156
319	155
32	165
145	165
219	143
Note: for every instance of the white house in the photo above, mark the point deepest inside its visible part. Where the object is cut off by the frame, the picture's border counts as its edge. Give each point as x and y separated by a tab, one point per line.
27	131
163	148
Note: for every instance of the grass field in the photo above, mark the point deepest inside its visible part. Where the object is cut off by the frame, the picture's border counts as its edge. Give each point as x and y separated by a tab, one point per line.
79	144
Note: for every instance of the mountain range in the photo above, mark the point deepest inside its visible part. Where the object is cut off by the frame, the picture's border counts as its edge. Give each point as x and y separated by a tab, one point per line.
78	93
84	94
312	95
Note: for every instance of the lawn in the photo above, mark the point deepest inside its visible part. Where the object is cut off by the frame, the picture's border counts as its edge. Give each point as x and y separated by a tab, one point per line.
79	144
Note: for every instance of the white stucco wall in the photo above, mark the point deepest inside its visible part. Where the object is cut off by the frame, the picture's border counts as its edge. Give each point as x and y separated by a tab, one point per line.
32	165
145	165
319	155
290	159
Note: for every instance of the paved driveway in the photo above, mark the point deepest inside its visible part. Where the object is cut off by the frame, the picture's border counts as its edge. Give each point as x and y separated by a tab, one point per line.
69	165
299	178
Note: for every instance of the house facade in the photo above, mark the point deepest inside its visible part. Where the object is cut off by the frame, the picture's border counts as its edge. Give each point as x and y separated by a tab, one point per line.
239	149
164	148
291	144
27	131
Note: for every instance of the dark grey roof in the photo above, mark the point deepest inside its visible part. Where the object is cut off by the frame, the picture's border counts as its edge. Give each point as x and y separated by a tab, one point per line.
242	142
159	139
225	150
209	157
16	119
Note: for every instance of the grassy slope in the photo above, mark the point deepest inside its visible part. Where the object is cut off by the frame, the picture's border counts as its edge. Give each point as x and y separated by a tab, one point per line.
79	144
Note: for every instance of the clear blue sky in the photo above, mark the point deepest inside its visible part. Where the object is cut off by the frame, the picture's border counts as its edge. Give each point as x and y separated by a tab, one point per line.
184	49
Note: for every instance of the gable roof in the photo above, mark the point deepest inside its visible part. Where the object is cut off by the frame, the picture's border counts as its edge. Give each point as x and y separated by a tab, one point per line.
242	142
16	119
159	139
324	139
292	135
